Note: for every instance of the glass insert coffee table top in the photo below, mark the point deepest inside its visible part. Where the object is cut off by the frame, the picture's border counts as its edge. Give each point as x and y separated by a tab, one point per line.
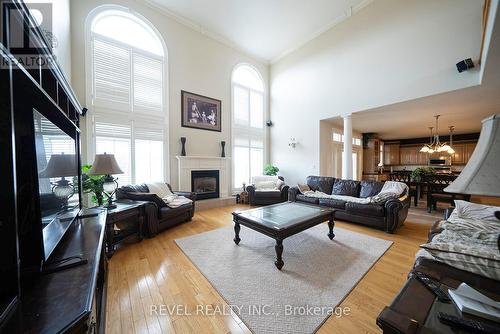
282	215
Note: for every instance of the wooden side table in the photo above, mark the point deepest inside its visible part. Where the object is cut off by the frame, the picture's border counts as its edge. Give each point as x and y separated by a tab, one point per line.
130	213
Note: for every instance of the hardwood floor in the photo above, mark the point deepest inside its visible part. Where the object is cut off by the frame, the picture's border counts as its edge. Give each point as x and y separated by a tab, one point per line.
156	272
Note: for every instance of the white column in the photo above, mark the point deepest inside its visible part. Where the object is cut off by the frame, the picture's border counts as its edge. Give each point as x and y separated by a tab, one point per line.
347	155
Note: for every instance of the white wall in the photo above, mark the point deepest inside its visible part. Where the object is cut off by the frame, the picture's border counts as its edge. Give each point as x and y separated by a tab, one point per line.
196	63
390	51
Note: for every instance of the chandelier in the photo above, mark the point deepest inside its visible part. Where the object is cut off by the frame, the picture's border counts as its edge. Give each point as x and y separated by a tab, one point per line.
435	145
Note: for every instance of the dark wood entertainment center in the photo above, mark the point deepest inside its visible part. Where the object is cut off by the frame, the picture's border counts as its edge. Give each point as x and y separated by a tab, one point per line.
64	291
72	300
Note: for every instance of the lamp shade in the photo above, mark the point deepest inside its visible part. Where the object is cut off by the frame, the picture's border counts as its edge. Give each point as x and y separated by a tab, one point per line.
480	176
60	165
105	164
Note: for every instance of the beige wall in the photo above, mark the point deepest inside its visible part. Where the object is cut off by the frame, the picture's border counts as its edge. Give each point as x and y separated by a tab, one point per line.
388	52
196	63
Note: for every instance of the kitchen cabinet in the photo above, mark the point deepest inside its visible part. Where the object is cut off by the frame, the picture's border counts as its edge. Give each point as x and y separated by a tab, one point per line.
410	155
376	154
463	153
469	149
422	158
407	155
391	154
459	157
371	156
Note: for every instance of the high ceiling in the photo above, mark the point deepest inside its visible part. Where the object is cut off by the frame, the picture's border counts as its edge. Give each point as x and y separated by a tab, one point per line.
266	29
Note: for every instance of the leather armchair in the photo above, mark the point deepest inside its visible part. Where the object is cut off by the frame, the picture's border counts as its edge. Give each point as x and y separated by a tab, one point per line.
267	197
158	215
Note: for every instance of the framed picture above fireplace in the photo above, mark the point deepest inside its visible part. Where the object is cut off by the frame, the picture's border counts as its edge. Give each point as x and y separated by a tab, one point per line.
200	112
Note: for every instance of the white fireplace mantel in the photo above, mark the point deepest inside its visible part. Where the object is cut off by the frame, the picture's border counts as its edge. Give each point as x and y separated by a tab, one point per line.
189	163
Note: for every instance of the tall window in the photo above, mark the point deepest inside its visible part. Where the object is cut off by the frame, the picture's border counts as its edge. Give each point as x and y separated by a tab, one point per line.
248	124
126	88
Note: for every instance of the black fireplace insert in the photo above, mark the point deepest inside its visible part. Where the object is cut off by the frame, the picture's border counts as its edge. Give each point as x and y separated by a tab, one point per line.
205	183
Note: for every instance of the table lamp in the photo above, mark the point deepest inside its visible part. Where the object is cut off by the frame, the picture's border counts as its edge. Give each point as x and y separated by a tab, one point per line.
61	165
480	176
105	164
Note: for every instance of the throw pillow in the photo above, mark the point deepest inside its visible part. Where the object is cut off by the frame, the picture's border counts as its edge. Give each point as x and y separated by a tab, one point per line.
303	188
468	210
265	185
279	184
346	188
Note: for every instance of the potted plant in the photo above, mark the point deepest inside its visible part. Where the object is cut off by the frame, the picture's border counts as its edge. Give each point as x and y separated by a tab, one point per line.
417	174
271	170
92	184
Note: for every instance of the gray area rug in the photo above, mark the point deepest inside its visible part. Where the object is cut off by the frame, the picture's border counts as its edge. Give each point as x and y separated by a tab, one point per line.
317	275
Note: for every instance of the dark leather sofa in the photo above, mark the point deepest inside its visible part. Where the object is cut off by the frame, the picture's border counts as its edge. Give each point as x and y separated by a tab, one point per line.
267	197
410	310
388	216
159	215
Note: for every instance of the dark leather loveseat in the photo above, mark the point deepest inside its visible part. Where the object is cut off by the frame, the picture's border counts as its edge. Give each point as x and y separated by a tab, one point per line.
159	215
388	216
256	197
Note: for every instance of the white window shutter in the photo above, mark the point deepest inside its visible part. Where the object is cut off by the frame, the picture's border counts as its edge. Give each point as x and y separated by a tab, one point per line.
149	133
104	129
127	92
241	106
248	132
111	75
113	138
149	155
148	84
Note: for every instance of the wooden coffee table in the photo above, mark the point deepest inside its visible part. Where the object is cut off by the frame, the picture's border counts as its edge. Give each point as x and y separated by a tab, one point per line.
282	220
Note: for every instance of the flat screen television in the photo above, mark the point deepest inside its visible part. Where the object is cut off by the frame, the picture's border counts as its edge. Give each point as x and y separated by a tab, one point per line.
58	171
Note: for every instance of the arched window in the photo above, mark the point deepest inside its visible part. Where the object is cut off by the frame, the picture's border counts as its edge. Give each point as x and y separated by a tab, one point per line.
126	86
248	124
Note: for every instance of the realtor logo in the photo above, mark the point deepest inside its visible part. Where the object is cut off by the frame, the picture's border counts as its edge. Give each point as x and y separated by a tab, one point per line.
21	31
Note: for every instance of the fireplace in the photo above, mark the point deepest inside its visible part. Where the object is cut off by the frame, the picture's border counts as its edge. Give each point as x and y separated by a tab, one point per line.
205	183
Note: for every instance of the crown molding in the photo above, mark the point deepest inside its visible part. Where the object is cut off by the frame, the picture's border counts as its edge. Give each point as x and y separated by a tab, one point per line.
199	29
